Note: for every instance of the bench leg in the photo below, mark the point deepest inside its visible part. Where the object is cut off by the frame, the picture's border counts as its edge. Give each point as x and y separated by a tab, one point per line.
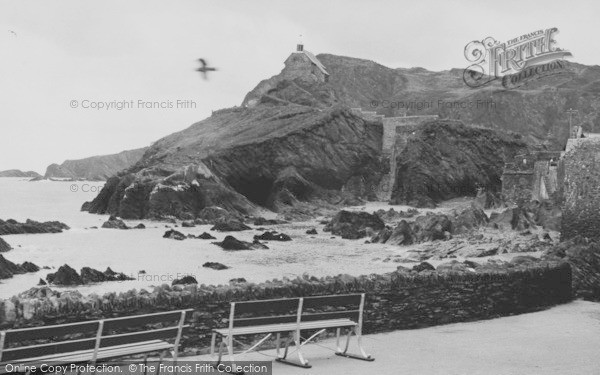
213	341
303	362
364	356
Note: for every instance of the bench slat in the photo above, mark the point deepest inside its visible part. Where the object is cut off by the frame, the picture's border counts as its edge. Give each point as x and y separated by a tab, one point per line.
35	333
288	327
335	300
47	349
143	320
348	314
126	338
244	322
264	306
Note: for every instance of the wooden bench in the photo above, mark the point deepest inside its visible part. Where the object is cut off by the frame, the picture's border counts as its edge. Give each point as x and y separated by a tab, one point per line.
99	340
293	315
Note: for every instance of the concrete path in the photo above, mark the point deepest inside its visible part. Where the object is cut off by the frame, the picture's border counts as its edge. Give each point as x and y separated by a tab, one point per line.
562	340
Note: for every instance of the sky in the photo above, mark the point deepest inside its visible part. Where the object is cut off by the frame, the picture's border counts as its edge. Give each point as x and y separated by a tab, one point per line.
61	58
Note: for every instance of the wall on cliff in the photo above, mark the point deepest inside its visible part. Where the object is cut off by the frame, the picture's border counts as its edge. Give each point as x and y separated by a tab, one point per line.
95	167
394	301
581	207
445	159
269	155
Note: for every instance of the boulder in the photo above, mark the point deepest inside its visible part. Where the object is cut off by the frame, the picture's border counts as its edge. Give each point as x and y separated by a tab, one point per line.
311	231
392	215
185	281
42	282
353	224
402	234
273	236
238	280
215	266
206	236
174	235
4	246
230	225
431	227
29	267
382	236
114	223
469	219
232	243
140	226
188	224
423	266
64	276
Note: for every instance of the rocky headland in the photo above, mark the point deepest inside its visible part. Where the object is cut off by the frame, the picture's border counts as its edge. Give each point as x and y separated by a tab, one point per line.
19	173
95	168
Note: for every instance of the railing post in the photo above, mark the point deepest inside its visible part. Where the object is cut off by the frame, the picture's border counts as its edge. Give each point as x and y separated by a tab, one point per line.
178	338
98	339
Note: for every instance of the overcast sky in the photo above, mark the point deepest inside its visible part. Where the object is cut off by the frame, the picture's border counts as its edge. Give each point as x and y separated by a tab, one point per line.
64	51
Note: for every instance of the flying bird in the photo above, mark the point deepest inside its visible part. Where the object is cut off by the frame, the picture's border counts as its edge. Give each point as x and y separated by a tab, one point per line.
205	68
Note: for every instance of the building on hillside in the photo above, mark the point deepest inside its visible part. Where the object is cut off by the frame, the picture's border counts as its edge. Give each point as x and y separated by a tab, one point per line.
304	65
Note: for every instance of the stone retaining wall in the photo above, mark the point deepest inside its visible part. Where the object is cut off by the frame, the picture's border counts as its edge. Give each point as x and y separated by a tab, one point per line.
394	301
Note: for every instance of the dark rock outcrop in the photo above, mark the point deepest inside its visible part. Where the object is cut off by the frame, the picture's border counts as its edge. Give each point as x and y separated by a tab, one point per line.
4	246
90	275
187	224
11	226
29	267
205	236
353	224
114	223
273	236
215	266
232	243
8	269
311	231
65	275
186	280
469	219
445	159
172	234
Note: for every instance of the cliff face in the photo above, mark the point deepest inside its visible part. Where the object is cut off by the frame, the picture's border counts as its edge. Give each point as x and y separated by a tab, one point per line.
445	159
534	110
95	167
19	173
277	156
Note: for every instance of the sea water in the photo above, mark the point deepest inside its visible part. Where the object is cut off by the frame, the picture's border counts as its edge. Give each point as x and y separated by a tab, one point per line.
163	260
